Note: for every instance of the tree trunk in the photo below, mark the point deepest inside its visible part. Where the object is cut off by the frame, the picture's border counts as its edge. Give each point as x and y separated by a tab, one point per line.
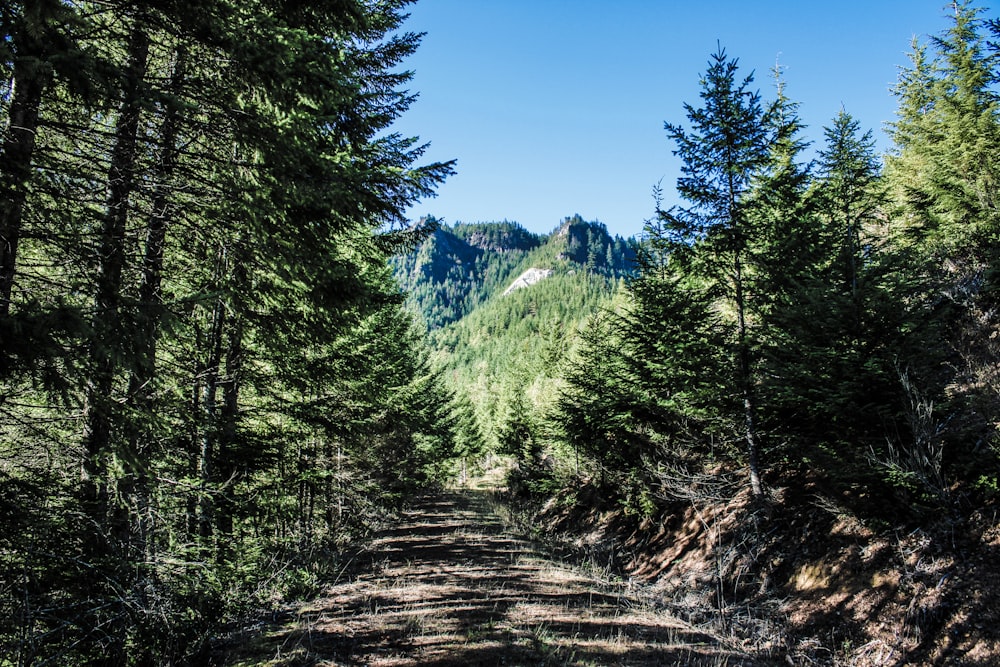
746	382
150	308
229	422
150	296
29	82
111	262
207	418
110	547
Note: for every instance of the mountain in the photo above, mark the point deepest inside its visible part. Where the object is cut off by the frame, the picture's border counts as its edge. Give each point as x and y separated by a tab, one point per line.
503	307
458	268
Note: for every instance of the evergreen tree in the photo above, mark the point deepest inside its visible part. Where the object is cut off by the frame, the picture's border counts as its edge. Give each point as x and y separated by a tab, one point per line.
594	412
787	240
943	181
203	199
835	328
947	131
726	149
852	197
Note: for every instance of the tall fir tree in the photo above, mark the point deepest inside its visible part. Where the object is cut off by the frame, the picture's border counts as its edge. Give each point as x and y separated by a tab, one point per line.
947	130
725	150
209	193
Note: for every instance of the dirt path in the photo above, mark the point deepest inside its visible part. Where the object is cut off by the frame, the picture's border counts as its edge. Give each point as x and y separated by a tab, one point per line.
448	586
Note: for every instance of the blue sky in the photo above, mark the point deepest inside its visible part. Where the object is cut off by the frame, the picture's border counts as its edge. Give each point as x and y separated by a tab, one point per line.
556	107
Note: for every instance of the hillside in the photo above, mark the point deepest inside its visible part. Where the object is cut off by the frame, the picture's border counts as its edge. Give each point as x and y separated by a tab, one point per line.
459	268
503	307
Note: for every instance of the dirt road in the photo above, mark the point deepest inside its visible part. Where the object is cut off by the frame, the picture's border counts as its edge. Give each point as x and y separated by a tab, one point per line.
449	586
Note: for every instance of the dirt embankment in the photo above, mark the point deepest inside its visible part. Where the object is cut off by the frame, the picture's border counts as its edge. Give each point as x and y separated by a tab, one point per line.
450	585
813	584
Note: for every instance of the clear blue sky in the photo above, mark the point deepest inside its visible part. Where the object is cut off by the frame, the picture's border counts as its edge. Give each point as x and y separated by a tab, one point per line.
556	107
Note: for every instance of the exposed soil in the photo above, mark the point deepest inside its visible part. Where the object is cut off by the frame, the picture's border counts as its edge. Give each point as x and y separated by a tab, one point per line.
450	585
808	579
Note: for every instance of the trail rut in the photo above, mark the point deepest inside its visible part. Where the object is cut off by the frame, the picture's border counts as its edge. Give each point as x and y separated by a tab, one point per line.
448	585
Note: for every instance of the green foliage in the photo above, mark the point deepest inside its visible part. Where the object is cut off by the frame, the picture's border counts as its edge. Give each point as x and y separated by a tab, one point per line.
456	269
782	322
459	268
730	147
641	382
942	170
501	349
207	382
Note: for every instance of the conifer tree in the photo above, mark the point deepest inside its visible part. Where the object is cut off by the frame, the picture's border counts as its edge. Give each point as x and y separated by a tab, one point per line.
209	187
852	198
725	150
948	128
778	207
37	42
943	181
829	372
595	408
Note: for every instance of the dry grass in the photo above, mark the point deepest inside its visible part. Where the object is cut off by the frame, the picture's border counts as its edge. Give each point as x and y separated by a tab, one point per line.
450	586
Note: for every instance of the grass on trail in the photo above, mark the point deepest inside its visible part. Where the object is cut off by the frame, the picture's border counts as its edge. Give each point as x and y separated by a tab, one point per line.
448	585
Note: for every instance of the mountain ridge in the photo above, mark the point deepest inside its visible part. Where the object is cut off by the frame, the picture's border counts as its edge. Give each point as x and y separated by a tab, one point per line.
460	267
500	345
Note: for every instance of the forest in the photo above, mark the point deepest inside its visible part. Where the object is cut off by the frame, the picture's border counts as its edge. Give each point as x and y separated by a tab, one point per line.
226	354
208	382
814	309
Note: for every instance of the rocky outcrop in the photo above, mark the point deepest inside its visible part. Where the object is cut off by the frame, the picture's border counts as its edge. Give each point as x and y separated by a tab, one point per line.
528	278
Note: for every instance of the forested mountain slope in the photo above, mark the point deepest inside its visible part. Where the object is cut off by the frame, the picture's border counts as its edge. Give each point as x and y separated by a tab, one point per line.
461	267
501	339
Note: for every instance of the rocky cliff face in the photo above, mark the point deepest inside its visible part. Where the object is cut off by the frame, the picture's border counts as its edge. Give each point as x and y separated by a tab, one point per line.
528	278
499	237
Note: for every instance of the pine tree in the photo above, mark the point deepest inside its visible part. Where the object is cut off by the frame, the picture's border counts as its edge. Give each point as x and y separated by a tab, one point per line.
594	411
42	51
726	149
943	180
852	197
829	384
787	240
209	187
38	45
948	128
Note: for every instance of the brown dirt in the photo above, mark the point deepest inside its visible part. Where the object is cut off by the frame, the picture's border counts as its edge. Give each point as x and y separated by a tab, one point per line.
449	585
804	580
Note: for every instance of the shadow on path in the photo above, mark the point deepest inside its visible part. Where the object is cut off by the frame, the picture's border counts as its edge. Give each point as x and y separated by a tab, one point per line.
447	586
